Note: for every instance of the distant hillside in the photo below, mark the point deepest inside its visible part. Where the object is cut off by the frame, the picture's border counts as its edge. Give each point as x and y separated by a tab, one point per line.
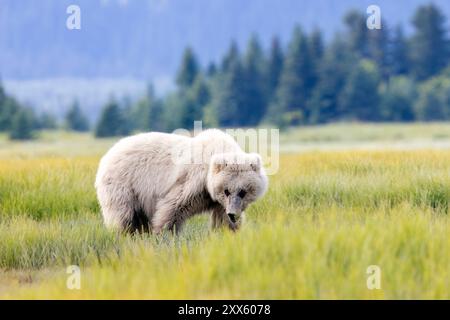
144	38
123	44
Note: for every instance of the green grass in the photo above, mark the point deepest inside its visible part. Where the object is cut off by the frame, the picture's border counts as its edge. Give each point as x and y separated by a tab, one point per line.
47	187
356	136
368	132
326	218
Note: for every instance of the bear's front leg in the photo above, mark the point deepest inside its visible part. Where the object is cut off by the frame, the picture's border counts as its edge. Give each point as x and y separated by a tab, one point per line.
171	212
167	218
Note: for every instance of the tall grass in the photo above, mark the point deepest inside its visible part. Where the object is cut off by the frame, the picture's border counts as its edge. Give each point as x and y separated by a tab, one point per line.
47	187
320	255
326	218
368	132
30	244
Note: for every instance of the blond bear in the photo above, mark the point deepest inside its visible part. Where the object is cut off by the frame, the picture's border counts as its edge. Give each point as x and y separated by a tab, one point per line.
156	181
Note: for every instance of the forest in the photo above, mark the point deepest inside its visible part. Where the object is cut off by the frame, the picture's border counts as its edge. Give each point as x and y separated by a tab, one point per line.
379	75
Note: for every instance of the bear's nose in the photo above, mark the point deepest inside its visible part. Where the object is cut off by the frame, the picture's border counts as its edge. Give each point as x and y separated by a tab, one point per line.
232	217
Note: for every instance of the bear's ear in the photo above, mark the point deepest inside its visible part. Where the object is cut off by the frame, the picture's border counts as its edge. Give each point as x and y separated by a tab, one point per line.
255	162
218	163
217	167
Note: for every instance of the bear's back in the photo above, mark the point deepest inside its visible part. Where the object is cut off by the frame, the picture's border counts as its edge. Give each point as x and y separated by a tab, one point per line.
214	141
151	161
135	157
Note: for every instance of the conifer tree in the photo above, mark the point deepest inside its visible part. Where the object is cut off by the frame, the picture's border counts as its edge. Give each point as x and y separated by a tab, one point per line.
359	98
253	107
75	119
22	125
112	121
274	68
188	70
296	80
399	54
429	45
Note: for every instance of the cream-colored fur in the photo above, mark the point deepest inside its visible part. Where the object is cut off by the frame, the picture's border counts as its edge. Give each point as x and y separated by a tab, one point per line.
155	181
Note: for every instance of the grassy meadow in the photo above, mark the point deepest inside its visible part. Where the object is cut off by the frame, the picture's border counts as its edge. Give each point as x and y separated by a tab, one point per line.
330	213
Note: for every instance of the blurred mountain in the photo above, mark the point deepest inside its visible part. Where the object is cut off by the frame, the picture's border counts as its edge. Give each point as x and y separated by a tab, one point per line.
144	39
123	44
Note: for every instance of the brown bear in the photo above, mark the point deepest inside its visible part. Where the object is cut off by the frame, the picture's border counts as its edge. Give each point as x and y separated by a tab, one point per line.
155	181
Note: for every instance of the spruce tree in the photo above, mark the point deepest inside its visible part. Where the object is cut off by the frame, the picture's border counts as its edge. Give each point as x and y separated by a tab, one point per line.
2	95
316	44
111	122
357	33
188	70
201	93
126	110
8	109
273	70
333	72
193	102
230	97
429	45
211	70
253	107
399	53
46	121
296	81
359	98
75	119
156	115
146	114
316	48
378	49
230	58
22	125
433	101
397	100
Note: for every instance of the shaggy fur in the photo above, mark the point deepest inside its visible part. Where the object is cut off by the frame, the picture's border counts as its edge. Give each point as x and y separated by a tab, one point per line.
155	181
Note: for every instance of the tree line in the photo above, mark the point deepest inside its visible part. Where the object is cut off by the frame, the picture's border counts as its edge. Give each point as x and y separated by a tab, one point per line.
358	75
19	121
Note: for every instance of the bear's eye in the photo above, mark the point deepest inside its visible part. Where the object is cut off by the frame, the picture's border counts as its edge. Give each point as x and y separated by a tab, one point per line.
242	193
227	193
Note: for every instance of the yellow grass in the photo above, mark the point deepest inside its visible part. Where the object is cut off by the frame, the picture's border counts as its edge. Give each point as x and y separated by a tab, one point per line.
327	217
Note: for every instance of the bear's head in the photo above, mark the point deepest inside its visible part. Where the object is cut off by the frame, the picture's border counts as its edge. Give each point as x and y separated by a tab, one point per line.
235	180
